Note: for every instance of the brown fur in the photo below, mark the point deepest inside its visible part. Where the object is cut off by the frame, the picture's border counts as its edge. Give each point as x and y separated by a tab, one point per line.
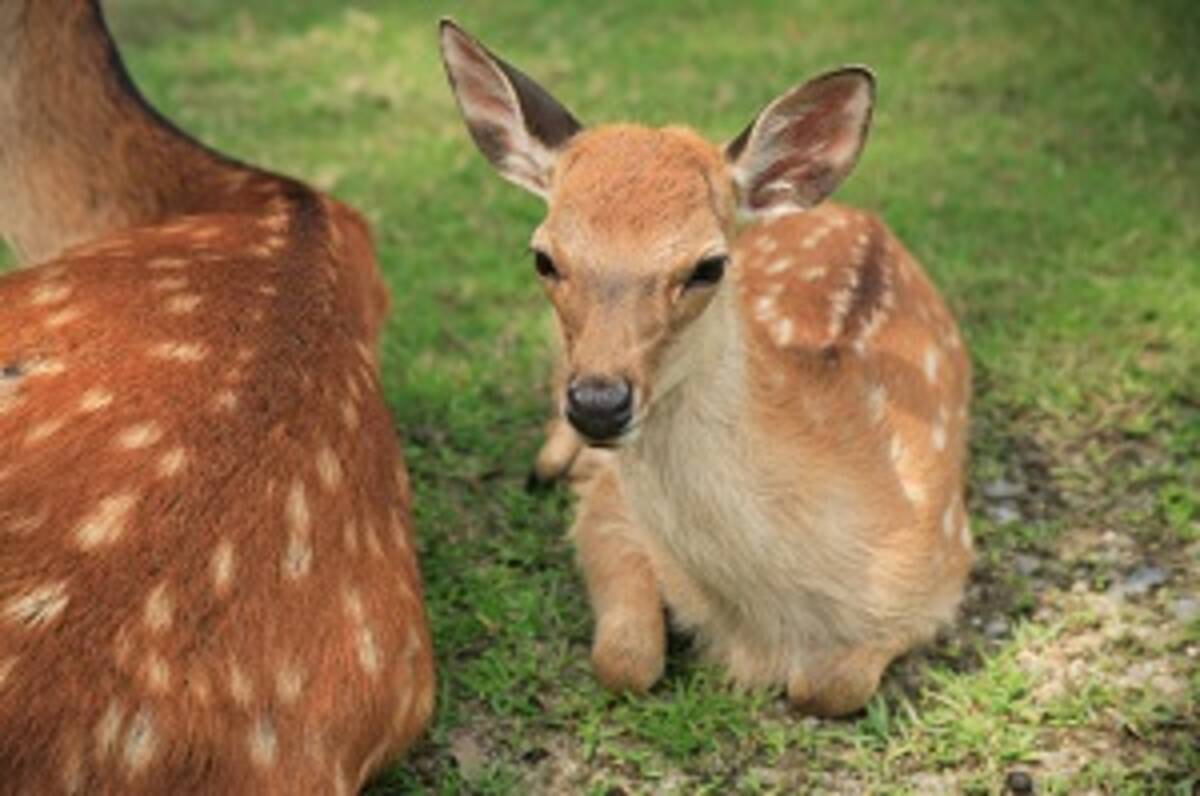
207	574
790	484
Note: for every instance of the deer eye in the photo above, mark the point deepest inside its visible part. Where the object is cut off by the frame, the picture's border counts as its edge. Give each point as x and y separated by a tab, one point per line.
707	272
544	266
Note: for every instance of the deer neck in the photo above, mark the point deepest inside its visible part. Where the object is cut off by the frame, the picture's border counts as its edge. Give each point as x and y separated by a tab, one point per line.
703	413
81	153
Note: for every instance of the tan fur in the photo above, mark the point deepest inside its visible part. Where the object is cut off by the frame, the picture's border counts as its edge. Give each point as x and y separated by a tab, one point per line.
791	479
207	573
764	483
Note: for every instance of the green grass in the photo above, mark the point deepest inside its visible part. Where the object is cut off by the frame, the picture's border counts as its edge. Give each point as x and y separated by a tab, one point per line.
1041	159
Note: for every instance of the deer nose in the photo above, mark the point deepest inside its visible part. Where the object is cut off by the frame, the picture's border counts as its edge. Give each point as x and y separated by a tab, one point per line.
599	409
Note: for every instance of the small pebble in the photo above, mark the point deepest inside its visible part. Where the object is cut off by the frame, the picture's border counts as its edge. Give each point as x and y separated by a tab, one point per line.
1004	513
1026	565
1019	782
1144	579
1186	609
1000	489
997	627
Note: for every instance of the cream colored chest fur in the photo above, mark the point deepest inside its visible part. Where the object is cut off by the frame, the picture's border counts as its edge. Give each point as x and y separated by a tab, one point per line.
778	563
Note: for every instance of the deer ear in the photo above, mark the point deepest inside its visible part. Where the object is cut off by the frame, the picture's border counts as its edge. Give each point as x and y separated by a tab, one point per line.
802	145
515	122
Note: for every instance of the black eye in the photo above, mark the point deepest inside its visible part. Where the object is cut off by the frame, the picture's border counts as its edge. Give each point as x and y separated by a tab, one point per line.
544	265
707	272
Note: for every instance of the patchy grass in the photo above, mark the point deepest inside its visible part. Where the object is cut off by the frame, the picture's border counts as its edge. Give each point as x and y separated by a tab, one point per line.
1040	159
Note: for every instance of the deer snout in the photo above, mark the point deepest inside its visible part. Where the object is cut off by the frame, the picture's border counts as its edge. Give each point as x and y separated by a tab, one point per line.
600	408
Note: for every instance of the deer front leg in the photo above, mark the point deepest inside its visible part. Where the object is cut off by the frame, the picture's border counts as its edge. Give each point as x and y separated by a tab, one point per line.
558	454
629	644
841	682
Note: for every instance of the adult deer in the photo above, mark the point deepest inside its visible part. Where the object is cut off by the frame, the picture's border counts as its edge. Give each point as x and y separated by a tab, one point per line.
207	573
787	404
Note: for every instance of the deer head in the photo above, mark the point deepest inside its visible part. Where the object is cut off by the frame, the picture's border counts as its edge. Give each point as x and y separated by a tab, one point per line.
634	251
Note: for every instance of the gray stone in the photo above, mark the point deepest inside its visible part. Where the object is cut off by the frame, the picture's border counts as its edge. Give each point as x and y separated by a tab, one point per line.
1143	580
1004	513
996	627
1186	609
1002	489
1026	564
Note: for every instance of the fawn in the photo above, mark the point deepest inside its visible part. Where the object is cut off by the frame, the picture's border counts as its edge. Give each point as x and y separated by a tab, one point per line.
785	406
207	574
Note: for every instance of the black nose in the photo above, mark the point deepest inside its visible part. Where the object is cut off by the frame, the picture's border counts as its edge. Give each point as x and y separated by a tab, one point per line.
600	409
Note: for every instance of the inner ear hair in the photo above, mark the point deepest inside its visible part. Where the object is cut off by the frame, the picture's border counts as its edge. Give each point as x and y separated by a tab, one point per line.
803	144
515	123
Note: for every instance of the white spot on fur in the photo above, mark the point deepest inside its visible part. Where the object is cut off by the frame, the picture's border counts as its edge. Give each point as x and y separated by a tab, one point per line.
49	293
782	331
141	741
43	431
964	536
948	520
171	463
94	400
764	309
264	745
297	560
158	673
350	415
205	233
913	490
159	609
268	290
166	263
274	223
106	523
814	273
779	266
139	436
932	358
350	536
47	367
198	686
289	681
179	351
766	244
226	401
352	602
6	667
240	687
876	402
368	651
814	238
222	565
329	468
27	523
38	607
62	317
182	304
169	283
108	729
938	435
